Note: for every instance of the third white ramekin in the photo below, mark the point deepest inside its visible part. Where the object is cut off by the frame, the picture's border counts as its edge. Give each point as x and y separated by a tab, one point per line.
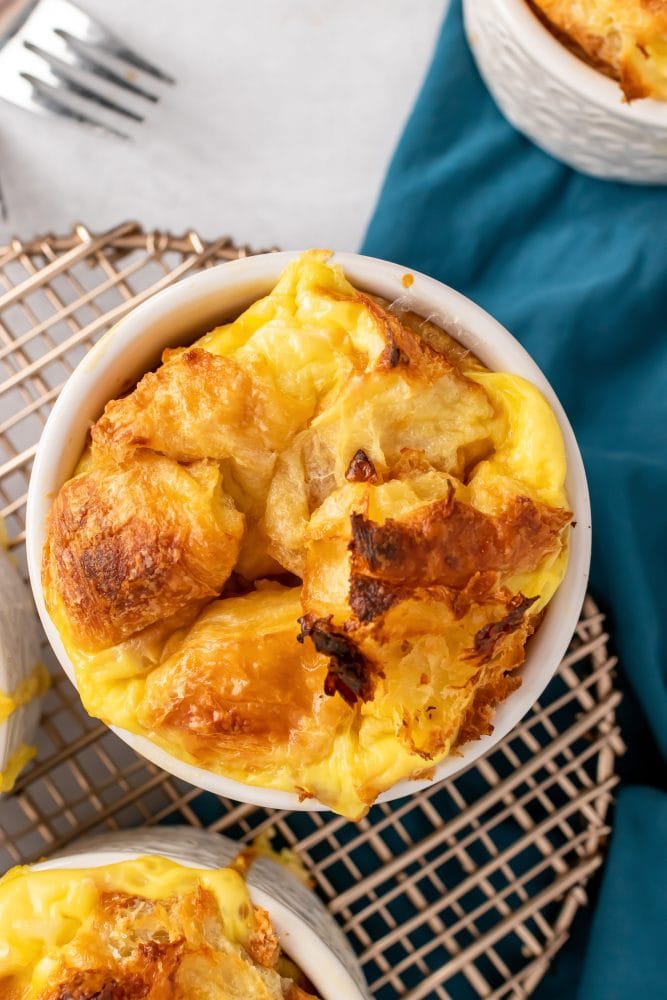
307	932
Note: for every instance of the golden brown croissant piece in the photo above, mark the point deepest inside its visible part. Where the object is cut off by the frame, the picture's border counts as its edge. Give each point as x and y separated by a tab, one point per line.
131	544
198	405
240	688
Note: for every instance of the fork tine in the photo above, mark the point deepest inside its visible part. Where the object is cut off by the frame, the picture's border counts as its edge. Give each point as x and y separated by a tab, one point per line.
52	62
87	28
61	72
116	48
84	27
83	57
47	98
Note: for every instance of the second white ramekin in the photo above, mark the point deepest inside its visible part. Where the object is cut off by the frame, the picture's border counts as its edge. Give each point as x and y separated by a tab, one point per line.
560	102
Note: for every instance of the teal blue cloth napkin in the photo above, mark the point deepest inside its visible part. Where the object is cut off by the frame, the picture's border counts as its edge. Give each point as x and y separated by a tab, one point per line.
576	268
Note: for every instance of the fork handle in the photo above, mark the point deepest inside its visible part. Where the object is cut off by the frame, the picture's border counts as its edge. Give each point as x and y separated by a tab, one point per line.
12	15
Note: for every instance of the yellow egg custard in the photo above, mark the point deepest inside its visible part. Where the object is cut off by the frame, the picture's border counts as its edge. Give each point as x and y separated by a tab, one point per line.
308	550
145	929
626	39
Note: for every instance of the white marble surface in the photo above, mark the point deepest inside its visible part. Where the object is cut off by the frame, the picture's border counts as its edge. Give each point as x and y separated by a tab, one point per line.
279	131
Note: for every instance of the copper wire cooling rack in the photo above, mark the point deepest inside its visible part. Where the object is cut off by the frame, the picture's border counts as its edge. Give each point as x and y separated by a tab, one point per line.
465	890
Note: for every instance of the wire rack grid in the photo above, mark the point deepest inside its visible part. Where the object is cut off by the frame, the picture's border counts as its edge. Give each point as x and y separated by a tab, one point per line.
465	890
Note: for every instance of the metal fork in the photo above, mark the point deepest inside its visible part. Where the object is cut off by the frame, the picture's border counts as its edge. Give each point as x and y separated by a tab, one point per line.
55	59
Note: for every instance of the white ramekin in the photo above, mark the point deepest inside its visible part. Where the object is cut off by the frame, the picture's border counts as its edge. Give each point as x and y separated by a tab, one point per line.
307	932
180	313
560	102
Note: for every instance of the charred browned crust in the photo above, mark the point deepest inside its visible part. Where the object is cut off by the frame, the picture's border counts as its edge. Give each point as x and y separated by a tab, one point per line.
350	674
478	717
500	650
448	542
488	637
361	469
369	597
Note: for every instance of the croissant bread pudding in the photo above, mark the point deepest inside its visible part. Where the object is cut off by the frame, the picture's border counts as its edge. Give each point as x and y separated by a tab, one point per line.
626	39
146	928
307	551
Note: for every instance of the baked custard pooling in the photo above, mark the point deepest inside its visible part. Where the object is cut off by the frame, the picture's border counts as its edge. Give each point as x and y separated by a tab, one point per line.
308	550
